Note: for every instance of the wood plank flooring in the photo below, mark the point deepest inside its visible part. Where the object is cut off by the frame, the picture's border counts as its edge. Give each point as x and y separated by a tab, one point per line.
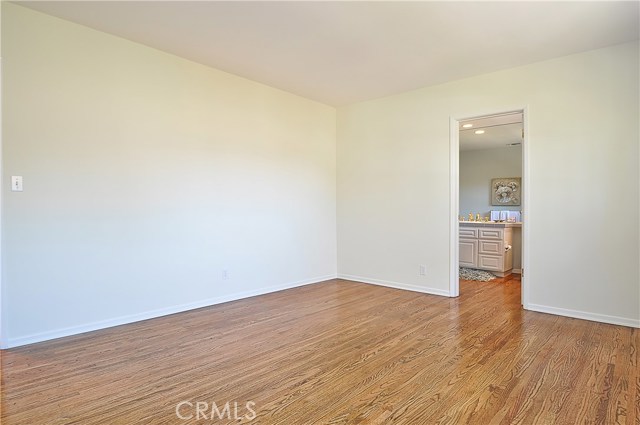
338	352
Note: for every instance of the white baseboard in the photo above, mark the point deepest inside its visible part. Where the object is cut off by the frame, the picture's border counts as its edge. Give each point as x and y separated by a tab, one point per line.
123	320
516	271
594	317
395	285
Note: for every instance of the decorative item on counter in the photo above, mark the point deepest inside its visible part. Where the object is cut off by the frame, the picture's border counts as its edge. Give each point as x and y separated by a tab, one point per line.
461	218
470	216
478	217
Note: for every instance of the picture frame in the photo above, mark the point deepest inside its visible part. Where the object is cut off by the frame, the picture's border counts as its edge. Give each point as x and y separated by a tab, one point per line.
506	191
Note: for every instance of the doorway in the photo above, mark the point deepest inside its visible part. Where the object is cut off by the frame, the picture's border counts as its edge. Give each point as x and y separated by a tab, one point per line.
489	150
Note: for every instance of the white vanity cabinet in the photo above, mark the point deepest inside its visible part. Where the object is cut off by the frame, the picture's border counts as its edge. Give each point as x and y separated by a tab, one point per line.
486	247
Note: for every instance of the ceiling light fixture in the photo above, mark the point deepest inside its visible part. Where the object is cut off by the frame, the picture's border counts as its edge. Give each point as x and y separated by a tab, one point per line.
479	131
467	125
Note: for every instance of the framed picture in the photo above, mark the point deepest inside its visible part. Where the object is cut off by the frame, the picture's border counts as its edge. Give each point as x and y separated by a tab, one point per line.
506	191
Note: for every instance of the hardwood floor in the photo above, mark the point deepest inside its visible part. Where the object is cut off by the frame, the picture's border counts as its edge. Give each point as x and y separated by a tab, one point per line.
338	352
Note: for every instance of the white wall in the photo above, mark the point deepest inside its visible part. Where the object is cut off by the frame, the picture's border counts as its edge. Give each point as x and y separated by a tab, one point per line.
477	168
393	181
146	175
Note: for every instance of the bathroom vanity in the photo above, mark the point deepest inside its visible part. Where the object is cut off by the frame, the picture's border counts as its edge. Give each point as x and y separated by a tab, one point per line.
487	246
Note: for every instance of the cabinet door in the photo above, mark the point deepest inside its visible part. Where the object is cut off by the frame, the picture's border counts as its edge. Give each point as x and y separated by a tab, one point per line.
468	253
491	262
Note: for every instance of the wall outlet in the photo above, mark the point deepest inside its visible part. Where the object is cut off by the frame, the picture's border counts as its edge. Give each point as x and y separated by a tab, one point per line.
225	274
423	270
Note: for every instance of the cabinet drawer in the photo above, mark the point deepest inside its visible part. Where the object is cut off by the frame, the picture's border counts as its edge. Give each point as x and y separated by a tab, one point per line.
491	262
491	234
490	247
468	232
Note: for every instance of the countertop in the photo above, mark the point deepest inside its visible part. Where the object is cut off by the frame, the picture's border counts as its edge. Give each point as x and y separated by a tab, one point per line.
502	224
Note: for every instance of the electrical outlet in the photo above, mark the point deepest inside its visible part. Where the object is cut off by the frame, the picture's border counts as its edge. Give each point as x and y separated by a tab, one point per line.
225	274
423	270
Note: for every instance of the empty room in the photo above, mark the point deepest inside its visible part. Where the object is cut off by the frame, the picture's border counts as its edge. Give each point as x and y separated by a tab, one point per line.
301	212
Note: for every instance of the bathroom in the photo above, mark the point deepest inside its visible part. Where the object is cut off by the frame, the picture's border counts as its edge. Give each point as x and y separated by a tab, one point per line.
490	195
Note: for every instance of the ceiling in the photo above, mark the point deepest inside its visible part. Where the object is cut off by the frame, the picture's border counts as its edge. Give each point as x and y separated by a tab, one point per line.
499	131
344	52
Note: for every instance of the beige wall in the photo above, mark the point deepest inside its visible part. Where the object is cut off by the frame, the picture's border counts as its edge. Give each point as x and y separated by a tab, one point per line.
146	176
393	181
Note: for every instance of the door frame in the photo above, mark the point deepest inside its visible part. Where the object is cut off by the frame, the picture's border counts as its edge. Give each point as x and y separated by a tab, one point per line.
4	341
454	201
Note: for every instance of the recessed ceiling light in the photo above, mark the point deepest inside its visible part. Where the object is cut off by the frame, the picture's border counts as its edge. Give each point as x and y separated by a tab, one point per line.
467	125
479	131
